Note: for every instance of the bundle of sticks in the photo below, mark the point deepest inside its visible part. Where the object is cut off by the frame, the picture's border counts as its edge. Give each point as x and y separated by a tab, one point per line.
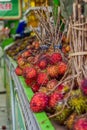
78	41
50	31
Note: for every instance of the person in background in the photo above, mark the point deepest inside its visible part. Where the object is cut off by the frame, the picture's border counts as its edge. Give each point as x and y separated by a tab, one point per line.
21	28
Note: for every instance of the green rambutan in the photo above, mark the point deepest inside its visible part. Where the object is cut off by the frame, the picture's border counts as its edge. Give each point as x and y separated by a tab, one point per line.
61	118
78	102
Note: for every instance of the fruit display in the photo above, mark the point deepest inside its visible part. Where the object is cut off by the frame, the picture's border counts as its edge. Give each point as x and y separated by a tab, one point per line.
57	76
19	46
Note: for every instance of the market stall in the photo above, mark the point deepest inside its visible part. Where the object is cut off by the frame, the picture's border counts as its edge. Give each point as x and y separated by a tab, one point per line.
47	71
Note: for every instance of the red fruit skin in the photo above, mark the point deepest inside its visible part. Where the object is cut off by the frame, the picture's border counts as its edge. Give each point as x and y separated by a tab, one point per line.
64	50
30	59
52	71
80	124
20	61
36	58
32	73
54	99
35	87
36	44
55	58
62	67
29	82
18	71
19	56
42	78
51	84
39	102
26	54
84	86
25	71
42	64
61	89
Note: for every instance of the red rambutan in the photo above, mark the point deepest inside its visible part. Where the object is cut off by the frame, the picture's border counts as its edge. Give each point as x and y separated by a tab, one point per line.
25	71
35	87
29	82
32	73
55	58
84	86
39	102
51	84
20	61
42	64
26	54
18	71
54	99
42	78
62	67
52	71
80	124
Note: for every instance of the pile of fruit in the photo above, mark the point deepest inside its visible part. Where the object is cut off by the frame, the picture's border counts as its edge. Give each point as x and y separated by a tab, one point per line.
42	73
19	46
59	82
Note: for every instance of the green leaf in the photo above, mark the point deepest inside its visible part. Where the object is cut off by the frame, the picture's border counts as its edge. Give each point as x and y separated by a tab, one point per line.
66	8
85	9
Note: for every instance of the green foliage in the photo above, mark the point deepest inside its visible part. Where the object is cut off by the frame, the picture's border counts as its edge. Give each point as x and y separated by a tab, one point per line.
66	8
85	9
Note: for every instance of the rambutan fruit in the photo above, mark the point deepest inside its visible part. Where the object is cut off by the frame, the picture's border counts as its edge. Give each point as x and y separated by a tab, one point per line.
36	44
62	67
25	71
61	118
18	71
78	102
42	78
70	121
55	58
80	124
52	71
29	82
35	87
84	86
26	54
39	102
30	60
51	84
42	64
54	98
43	90
32	73
20	61
62	89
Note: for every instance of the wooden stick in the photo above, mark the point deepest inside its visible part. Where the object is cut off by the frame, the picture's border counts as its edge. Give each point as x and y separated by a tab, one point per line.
85	40
79	35
75	13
